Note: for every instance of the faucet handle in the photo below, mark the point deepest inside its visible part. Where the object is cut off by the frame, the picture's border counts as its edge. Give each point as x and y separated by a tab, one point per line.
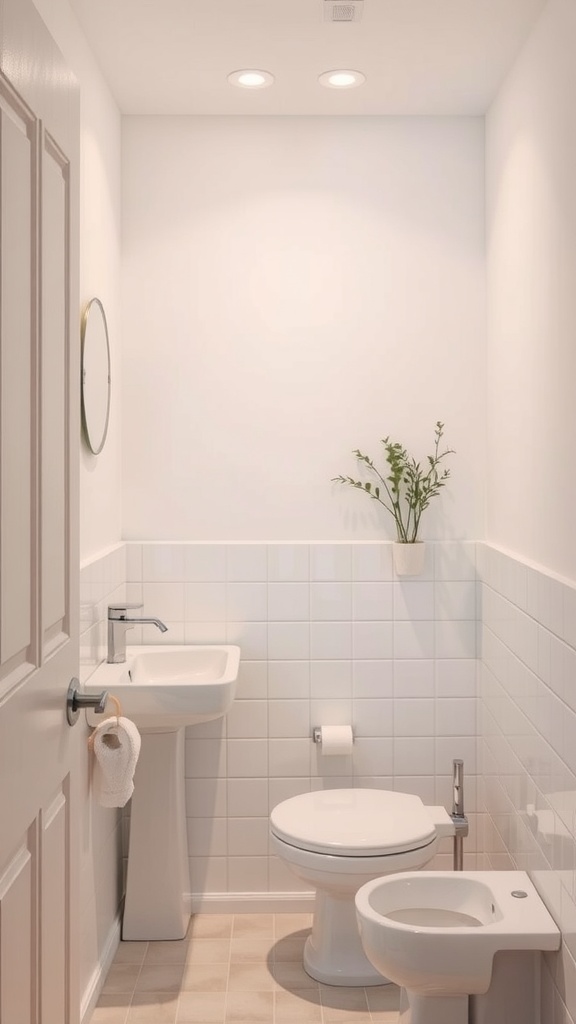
118	611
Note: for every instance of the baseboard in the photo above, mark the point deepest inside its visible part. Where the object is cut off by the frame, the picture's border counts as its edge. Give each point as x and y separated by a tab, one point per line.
250	902
94	987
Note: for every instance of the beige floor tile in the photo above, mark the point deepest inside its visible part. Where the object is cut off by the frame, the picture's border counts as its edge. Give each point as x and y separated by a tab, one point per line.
383	997
209	951
160	978
386	1017
251	950
250	1008
210	926
287	924
153	1008
254	926
289	949
131	953
167	952
343	1004
201	1007
292	976
250	978
298	1007
121	978
111	1009
205	978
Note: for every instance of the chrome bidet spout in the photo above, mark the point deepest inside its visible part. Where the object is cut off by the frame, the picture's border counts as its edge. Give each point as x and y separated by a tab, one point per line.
458	817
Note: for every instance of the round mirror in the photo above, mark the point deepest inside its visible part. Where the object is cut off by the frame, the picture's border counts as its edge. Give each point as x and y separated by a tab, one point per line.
95	375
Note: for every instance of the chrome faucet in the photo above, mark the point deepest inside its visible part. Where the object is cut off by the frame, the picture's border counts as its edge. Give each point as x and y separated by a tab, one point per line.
118	624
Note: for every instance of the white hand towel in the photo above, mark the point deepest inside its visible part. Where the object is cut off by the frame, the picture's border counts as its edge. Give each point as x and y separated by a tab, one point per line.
116	744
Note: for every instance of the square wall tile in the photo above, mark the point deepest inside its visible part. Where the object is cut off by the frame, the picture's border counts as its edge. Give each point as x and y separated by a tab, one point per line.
289	758
331	563
247	719
163	601
247	563
413	717
413	640
205	602
372	601
246	602
455	639
289	718
330	601
373	717
247	758
456	716
456	677
205	563
373	678
414	755
330	640
413	600
288	679
248	837
248	874
288	602
133	563
372	562
288	640
455	560
373	756
455	600
163	563
288	563
330	679
248	798
372	640
251	637
414	678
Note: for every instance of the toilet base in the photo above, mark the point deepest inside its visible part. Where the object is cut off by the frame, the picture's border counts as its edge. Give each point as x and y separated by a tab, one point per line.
333	954
415	1009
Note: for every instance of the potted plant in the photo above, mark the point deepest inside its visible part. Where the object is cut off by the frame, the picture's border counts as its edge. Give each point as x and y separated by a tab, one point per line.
405	491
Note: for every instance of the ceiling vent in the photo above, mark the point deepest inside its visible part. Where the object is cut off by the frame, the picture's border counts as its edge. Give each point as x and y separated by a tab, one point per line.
343	11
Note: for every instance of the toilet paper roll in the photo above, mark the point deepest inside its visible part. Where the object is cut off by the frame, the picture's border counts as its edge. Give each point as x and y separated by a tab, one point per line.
336	740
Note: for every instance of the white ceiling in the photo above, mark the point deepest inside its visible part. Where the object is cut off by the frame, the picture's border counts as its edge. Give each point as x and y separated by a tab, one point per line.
419	56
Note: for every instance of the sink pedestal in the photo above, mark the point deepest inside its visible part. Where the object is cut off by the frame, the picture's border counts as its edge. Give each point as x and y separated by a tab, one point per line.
158	875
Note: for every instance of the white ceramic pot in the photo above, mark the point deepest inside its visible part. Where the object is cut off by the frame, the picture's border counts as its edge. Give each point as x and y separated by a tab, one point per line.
409	558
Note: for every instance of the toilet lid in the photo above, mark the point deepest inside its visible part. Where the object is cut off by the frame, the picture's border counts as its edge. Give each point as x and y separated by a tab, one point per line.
354	822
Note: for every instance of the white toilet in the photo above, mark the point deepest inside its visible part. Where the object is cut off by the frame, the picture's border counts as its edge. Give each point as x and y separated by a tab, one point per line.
436	933
336	840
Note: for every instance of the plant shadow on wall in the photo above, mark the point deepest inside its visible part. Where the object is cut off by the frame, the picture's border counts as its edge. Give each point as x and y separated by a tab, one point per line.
405	491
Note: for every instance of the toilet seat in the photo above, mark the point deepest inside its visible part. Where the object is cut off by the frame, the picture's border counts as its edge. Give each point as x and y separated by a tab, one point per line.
354	823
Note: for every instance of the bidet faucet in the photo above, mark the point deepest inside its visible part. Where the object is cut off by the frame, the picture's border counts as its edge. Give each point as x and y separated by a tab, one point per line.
458	817
118	624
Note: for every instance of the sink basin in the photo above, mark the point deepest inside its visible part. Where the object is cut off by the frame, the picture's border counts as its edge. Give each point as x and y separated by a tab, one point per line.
170	686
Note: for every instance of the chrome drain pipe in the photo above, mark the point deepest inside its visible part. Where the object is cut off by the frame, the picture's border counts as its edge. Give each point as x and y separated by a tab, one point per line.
458	817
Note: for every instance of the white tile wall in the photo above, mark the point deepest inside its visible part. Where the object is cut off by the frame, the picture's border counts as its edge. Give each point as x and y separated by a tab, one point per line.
527	747
328	635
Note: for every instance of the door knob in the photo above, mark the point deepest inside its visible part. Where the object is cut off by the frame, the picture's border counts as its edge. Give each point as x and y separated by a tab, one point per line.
77	702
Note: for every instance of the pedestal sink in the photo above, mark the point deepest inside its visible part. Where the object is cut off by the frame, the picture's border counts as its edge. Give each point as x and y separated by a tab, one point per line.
163	689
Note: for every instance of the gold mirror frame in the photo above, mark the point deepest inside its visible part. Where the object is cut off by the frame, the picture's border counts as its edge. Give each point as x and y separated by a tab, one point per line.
96	378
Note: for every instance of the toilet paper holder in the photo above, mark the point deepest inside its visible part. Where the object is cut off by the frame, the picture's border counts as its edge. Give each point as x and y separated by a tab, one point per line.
317	734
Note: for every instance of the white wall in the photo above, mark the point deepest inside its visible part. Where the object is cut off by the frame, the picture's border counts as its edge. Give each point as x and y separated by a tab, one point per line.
294	288
527	707
100	491
100	837
531	170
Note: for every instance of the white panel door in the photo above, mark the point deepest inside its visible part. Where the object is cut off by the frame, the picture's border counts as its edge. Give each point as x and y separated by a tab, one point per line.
39	432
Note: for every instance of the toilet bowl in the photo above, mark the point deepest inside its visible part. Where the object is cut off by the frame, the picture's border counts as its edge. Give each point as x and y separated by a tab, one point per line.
435	933
337	840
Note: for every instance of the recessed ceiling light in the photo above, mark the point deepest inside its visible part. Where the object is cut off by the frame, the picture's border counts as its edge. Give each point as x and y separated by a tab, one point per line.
250	78
341	79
